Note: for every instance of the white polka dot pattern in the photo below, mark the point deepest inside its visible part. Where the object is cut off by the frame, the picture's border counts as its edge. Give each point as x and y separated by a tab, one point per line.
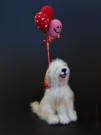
42	21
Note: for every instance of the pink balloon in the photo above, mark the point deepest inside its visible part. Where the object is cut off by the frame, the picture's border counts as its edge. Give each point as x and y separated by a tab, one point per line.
55	28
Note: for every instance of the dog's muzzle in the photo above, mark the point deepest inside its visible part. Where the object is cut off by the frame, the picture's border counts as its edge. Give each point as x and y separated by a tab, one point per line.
63	76
63	73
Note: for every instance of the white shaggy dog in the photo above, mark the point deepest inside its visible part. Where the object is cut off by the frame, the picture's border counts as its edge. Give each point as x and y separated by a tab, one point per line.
57	105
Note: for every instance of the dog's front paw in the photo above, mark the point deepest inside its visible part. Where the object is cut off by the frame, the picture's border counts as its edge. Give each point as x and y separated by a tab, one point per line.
53	120
64	119
73	115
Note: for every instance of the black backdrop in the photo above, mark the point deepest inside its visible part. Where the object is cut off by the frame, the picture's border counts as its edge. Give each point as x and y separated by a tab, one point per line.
23	62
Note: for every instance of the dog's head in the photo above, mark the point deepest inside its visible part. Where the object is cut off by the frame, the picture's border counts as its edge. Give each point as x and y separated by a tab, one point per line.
57	73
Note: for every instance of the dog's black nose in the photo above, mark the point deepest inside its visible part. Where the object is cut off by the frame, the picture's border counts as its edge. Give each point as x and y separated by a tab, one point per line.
64	70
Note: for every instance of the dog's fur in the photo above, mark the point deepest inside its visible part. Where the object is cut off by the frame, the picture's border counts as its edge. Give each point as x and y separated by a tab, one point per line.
57	105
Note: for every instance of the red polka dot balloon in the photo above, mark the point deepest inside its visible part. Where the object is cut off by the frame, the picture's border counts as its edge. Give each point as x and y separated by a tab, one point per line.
42	21
48	10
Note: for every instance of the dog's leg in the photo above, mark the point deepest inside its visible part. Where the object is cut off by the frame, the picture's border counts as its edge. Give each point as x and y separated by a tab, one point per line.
44	112
70	110
48	114
51	118
63	118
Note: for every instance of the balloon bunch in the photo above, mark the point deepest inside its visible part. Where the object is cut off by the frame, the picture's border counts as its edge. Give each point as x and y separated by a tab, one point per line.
45	21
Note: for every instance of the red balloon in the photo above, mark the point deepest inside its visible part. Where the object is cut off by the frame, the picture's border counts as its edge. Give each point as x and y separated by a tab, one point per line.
42	21
48	10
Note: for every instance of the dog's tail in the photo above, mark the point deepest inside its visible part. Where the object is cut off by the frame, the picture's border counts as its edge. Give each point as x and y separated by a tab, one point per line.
35	107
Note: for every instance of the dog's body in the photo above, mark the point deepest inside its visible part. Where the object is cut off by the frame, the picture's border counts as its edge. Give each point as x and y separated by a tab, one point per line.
57	105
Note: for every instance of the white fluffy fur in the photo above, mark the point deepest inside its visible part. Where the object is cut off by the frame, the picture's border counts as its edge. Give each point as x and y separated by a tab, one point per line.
57	104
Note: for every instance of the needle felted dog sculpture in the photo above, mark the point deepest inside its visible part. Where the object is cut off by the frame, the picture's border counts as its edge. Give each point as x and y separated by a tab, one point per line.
57	104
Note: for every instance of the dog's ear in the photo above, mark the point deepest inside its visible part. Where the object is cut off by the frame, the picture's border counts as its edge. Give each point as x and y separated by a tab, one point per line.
47	78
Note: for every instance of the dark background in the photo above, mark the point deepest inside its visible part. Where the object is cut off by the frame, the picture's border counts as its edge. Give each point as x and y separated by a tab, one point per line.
23	62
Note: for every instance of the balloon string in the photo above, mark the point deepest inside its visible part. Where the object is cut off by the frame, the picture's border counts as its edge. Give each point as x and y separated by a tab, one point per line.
48	52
